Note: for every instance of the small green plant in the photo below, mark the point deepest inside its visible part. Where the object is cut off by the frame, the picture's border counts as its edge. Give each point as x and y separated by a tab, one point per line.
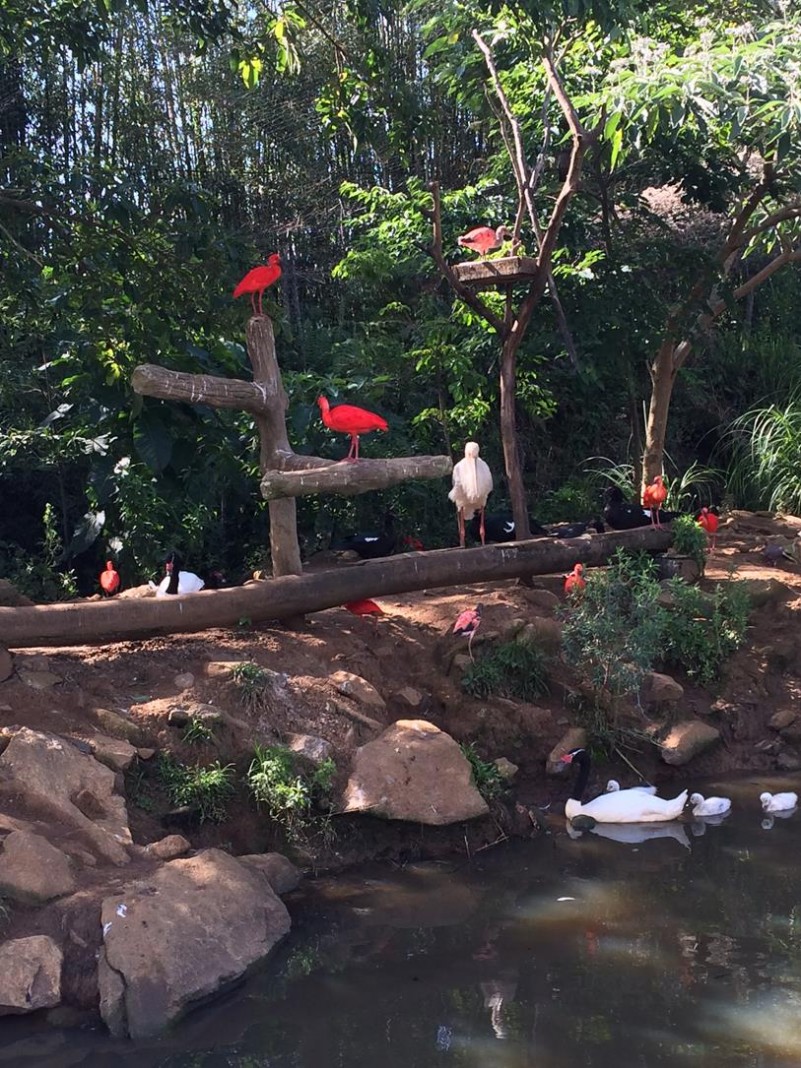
287	794
253	683
614	634
512	669
205	788
703	629
689	539
198	732
486	776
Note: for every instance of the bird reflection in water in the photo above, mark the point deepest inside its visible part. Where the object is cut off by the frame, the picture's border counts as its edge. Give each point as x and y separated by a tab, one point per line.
635	833
767	822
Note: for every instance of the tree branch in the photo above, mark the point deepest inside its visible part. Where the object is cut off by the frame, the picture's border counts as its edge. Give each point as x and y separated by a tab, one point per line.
302	476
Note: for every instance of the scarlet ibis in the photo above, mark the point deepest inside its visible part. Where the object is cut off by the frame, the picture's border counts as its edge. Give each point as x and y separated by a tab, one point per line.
412	544
500	526
176	580
709	521
257	280
620	515
365	607
484	239
109	579
472	484
370	545
467	623
654	496
348	419
574	583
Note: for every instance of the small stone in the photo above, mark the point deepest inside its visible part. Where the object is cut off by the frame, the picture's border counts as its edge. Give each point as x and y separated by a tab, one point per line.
506	769
115	753
209	715
86	802
543	632
174	845
359	689
178	717
788	760
659	689
686	740
184	681
460	663
117	725
281	873
145	754
40	680
412	699
312	748
782	719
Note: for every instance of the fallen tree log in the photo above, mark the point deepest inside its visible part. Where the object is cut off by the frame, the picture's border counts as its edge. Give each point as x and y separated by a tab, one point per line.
99	622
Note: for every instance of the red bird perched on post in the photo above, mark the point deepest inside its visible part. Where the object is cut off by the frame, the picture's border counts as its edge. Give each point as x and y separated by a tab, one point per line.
257	280
467	623
109	579
348	419
654	496
709	521
484	239
574	583
365	607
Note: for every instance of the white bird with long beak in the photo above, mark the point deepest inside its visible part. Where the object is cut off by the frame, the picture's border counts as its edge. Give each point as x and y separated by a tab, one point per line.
472	484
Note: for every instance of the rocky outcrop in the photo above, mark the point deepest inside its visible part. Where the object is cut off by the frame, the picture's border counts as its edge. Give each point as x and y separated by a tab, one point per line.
416	772
32	870
686	740
115	753
359	689
310	747
280	872
191	929
46	774
659	689
30	974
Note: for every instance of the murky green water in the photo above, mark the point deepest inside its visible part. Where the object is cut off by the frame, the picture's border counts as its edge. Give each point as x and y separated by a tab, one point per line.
680	950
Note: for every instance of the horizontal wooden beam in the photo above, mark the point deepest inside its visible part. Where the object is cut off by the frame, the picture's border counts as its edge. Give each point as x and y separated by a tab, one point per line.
489	274
101	622
347	478
150	380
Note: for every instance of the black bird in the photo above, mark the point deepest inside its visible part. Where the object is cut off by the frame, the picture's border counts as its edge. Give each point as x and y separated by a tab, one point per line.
575	530
500	526
372	544
619	514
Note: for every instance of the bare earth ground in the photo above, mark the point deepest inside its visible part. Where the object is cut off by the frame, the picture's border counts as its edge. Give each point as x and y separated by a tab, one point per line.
404	648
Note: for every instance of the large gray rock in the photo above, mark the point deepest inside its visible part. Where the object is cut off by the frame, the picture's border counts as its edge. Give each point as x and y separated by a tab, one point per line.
413	771
359	689
45	773
659	689
32	870
30	974
686	740
181	935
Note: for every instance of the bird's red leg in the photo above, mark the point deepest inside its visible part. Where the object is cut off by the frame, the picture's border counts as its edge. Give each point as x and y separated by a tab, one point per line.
469	643
460	517
481	527
253	302
261	294
356	457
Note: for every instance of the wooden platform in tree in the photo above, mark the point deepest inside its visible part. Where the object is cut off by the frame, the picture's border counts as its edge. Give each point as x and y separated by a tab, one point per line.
490	274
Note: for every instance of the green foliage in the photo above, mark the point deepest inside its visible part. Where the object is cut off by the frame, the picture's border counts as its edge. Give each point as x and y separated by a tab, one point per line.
766	445
614	634
5	911
487	778
198	732
206	789
510	669
287	794
702	630
689	538
253	683
39	575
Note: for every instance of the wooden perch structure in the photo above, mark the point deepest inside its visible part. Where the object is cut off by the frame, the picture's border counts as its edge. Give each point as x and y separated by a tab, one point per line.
101	622
492	274
284	474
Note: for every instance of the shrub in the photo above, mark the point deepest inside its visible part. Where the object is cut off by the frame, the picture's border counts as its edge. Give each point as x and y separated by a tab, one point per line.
204	788
703	629
511	669
614	634
689	539
253	683
287	794
486	776
197	732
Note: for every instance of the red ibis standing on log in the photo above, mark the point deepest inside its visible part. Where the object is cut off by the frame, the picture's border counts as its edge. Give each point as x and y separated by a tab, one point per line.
348	419
472	484
654	496
484	239
257	280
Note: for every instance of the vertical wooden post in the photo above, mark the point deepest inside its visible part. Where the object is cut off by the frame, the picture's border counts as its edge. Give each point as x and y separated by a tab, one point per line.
284	548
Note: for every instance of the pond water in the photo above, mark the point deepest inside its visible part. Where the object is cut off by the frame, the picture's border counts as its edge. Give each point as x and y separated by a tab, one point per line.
682	949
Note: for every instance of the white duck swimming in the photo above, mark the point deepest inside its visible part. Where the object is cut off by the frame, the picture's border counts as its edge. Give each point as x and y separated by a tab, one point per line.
710	806
620	806
613	787
778	802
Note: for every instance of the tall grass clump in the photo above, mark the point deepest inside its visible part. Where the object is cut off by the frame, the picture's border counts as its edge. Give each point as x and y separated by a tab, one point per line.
766	447
511	669
287	793
205	788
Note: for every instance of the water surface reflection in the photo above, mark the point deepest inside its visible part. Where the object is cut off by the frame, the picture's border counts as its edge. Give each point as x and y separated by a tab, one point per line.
676	947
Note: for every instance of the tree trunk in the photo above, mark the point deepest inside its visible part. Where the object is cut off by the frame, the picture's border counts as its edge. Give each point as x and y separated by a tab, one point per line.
101	622
663	376
511	447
